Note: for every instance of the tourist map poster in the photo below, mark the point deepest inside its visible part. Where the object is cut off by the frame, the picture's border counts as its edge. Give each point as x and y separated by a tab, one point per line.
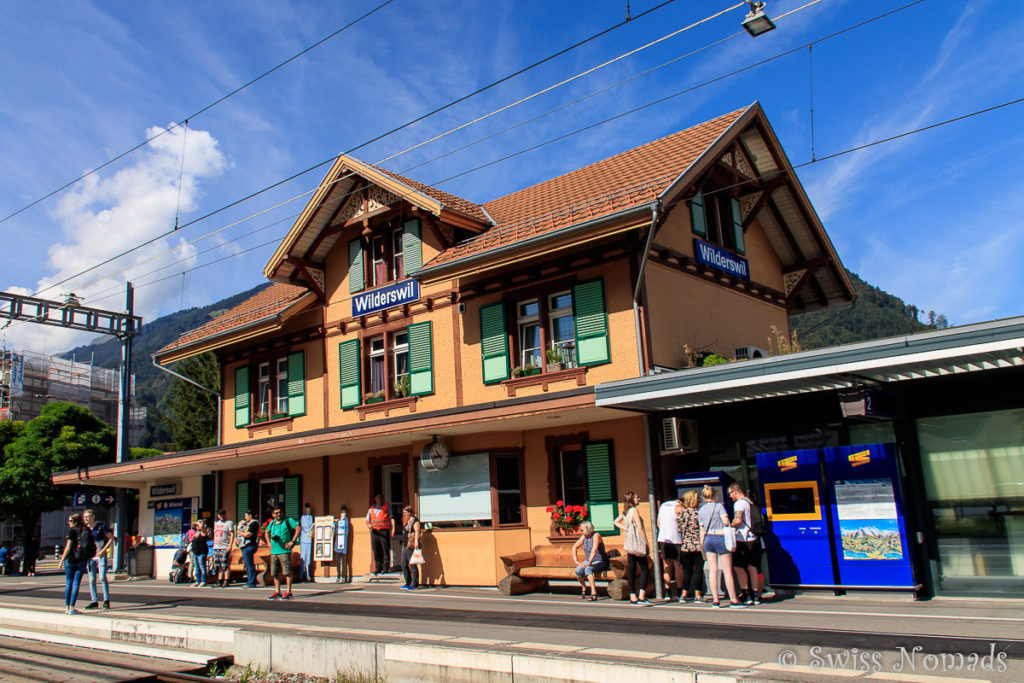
171	519
323	538
868	520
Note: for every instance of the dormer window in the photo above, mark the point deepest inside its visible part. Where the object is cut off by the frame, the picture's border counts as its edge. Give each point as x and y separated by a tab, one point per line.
393	254
716	218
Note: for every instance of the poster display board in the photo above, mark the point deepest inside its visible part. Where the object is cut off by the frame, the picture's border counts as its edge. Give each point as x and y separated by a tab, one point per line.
871	537
323	538
171	519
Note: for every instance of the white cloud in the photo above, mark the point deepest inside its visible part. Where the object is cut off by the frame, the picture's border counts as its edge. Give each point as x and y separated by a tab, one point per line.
105	215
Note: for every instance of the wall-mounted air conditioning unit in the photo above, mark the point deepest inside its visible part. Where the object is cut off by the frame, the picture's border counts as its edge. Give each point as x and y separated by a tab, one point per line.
748	352
678	435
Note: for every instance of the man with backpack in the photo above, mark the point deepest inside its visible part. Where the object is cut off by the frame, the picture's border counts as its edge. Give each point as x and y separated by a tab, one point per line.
97	566
749	525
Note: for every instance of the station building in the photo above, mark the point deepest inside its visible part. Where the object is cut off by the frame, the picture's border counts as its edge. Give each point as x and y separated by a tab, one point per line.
445	353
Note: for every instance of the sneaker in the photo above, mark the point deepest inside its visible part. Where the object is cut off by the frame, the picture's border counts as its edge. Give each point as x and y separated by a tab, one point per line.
682	600
403	588
287	596
201	585
92	605
106	604
757	600
718	605
411	588
274	596
643	603
748	600
737	605
73	611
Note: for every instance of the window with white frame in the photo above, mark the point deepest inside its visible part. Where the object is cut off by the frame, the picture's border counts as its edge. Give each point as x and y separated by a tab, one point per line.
528	323
562	331
380	264
398	254
378	363
282	385
263	404
401	363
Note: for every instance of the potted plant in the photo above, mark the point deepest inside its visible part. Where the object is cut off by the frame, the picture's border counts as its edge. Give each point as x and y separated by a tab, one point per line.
554	357
261	416
531	369
373	397
402	387
566	519
517	371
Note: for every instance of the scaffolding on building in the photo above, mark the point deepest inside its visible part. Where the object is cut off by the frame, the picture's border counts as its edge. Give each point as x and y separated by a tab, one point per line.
29	380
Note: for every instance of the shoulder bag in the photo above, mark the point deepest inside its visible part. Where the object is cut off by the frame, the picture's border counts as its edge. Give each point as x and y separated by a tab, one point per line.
728	532
634	543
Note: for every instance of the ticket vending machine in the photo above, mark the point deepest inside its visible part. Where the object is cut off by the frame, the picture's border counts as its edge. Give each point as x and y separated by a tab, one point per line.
798	542
720	481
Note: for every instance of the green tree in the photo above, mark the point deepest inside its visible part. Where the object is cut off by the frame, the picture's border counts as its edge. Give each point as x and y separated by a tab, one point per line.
64	436
190	411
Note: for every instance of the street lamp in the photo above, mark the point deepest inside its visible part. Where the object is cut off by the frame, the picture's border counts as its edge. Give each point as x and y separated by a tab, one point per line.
757	22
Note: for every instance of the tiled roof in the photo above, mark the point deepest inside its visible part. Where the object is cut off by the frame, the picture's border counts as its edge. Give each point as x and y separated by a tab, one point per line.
449	200
261	306
626	180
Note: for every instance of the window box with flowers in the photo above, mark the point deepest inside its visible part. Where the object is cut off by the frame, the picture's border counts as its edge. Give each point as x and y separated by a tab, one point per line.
566	519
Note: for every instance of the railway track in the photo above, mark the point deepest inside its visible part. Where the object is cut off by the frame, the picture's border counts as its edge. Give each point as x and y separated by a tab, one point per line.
30	660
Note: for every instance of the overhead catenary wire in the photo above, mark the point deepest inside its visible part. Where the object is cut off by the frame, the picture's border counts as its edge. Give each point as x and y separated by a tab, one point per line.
350	150
437	137
196	113
708	82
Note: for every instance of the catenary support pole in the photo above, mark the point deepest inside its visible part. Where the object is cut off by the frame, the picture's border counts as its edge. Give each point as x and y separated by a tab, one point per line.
659	586
123	423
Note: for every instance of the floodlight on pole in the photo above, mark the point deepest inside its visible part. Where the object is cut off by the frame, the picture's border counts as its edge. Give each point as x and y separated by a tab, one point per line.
757	22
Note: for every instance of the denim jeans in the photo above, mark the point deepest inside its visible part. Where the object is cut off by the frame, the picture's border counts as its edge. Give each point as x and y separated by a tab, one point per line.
200	567
73	572
98	566
249	560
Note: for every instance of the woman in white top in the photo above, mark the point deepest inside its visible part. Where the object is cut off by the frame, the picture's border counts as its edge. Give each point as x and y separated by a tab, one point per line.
669	541
713	520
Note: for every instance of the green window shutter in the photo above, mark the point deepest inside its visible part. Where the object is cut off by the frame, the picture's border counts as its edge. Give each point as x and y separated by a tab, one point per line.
698	221
355	266
421	360
296	384
241	500
412	246
494	343
592	347
293	497
601	496
737	225
242	396
348	363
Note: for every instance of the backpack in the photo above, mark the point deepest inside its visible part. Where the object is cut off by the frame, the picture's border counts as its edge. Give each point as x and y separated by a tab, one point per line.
86	548
756	519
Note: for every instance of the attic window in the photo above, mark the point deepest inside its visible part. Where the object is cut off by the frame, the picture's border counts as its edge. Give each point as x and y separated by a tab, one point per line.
715	216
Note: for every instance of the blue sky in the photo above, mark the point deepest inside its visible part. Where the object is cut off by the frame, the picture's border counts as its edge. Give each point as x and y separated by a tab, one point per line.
933	218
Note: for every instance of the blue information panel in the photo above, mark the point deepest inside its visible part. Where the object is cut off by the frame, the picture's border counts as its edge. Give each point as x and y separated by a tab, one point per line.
797	541
867	504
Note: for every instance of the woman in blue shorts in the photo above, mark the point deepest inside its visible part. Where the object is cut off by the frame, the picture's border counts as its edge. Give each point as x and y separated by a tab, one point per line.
713	520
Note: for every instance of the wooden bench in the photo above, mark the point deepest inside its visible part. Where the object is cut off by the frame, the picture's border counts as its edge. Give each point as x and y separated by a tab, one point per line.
262	561
530	571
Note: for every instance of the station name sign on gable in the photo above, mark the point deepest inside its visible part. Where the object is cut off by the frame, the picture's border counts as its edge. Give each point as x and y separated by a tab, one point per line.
721	259
386	297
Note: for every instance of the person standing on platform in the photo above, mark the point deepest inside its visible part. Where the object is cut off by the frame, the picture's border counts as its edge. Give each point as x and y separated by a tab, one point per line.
382	528
690	556
97	566
410	544
669	542
713	520
747	557
200	551
223	541
342	527
281	535
306	542
635	545
248	535
79	548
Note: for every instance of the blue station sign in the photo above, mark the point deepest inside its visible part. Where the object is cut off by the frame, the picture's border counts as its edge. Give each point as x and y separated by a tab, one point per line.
721	259
375	300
